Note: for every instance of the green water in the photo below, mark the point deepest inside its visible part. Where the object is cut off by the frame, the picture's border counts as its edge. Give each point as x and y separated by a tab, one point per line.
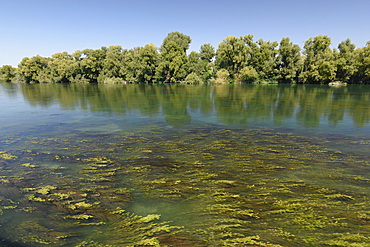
183	165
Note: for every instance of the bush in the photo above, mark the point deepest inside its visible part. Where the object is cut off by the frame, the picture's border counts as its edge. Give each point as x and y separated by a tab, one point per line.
247	74
193	78
222	76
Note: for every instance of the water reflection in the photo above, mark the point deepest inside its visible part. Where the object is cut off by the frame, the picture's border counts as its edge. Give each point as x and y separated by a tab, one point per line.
308	105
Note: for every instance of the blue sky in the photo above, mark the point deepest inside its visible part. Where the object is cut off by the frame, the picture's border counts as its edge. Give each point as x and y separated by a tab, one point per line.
45	27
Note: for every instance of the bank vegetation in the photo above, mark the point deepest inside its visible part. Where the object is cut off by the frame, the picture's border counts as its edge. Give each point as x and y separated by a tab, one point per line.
236	60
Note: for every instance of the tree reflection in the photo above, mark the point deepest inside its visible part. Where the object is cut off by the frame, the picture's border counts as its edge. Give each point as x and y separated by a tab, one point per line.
308	105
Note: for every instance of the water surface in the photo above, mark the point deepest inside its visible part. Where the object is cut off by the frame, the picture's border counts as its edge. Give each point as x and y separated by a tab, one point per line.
183	165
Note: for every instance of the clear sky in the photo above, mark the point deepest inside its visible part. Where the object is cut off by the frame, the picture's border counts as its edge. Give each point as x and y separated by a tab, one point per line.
45	27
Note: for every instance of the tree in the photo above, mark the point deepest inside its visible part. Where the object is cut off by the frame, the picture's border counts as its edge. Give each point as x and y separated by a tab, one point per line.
63	67
319	65
195	64
264	58
289	61
362	75
345	61
90	63
173	59
7	73
232	55
207	52
33	69
140	64
111	70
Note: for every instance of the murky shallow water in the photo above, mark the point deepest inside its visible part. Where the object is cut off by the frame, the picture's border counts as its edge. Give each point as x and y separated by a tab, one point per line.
89	165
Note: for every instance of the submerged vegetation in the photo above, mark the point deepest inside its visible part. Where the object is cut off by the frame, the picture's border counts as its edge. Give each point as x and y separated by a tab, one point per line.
196	186
236	60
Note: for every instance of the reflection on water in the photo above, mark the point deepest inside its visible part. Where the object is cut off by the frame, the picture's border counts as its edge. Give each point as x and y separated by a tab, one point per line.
307	105
177	165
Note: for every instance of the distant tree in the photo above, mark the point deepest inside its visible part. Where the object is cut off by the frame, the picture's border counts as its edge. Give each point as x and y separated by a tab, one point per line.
345	61
7	73
33	69
90	63
232	55
264	59
362	74
319	65
173	58
289	61
207	52
62	67
140	64
195	64
112	65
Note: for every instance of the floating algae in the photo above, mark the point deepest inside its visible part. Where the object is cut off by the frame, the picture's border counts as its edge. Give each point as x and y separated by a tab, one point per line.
203	186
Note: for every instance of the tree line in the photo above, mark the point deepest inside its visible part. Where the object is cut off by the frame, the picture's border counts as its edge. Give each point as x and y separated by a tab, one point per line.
236	60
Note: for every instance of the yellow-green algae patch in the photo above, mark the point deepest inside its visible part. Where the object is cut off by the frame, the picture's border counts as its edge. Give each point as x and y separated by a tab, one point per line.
185	187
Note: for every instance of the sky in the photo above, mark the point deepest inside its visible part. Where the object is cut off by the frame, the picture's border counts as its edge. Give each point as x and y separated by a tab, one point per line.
44	27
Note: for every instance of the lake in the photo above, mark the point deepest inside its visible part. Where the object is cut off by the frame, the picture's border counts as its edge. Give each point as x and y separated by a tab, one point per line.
184	165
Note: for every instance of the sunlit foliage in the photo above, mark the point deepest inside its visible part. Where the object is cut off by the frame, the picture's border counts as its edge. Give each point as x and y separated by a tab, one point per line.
246	61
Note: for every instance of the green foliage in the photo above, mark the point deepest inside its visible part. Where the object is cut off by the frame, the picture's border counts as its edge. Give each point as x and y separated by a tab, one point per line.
248	74
193	78
362	75
7	73
33	69
346	61
319	65
264	59
207	52
63	68
140	64
173	64
222	76
111	71
233	54
289	61
242	57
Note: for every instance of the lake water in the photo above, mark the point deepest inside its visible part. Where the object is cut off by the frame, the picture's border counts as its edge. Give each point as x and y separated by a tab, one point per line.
184	165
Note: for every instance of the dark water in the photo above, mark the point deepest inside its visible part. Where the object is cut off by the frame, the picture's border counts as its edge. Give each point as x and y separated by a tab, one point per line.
179	165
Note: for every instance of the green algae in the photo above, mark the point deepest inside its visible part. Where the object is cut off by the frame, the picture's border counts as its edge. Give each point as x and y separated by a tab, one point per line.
199	187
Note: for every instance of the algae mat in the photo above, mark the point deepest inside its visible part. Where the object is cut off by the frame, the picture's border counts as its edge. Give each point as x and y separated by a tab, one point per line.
202	185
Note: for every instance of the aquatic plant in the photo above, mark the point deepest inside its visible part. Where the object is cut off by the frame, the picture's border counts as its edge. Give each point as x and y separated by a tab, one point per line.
199	186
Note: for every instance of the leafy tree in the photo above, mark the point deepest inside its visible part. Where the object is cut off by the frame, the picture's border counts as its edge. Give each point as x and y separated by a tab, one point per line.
289	61
195	64
207	52
173	61
140	64
112	65
7	73
33	69
63	67
362	75
232	55
319	65
264	58
345	61
90	63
